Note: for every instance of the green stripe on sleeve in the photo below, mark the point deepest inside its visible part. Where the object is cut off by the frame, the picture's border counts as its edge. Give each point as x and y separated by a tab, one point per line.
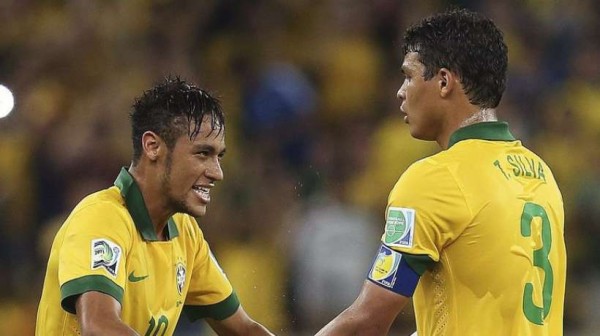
97	283
419	263
218	311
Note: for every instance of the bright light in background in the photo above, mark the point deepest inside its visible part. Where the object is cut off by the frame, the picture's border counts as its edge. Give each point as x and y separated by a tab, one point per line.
7	102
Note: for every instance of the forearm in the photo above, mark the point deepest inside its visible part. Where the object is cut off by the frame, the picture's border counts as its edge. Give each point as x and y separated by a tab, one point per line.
257	329
104	325
372	313
238	324
250	330
350	322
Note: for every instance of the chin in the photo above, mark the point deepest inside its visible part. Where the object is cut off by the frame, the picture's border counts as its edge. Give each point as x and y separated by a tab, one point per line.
420	135
197	211
415	134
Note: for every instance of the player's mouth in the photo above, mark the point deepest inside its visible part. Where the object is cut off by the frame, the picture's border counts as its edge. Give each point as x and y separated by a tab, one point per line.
202	192
404	113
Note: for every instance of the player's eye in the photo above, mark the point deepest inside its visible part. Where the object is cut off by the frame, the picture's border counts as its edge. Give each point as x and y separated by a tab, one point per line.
405	75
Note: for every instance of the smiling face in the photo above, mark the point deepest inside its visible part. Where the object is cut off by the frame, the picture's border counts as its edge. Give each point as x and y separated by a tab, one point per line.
191	169
420	100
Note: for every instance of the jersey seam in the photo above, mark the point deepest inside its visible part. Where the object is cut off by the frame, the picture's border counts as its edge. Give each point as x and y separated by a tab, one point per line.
443	255
459	187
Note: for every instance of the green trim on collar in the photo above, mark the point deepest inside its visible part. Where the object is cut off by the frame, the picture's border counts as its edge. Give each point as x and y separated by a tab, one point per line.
489	130
137	208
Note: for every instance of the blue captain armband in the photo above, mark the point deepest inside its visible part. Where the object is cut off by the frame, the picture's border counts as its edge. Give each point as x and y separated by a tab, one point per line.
391	271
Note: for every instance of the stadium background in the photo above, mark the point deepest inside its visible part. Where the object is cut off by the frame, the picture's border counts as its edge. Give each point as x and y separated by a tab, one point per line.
315	141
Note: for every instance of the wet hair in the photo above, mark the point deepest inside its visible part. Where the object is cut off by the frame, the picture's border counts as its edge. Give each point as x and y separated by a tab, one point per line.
171	109
467	44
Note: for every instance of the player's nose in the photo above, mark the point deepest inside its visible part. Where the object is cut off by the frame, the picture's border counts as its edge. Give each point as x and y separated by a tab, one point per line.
401	94
214	170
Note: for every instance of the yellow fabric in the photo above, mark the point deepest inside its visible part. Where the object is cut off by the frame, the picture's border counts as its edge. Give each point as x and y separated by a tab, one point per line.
469	203
146	273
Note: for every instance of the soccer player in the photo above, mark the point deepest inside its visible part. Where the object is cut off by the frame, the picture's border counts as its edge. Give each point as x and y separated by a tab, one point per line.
475	233
129	259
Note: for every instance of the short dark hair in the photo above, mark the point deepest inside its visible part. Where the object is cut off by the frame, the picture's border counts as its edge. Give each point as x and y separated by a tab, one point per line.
170	109
467	44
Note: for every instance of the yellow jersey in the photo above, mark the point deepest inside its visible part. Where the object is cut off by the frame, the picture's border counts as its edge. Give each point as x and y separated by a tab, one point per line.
108	244
483	223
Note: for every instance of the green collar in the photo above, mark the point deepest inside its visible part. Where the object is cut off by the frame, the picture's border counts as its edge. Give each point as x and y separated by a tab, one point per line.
489	130
137	208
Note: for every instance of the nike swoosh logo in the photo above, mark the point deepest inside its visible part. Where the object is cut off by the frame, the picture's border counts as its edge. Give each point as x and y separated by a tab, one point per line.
134	278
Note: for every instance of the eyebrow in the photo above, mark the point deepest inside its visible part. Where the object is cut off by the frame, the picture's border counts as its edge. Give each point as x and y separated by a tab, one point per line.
209	148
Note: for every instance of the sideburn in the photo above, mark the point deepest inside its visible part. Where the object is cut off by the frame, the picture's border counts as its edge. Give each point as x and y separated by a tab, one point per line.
175	204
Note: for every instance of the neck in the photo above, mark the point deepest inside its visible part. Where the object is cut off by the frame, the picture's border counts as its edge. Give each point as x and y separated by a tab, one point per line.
149	184
481	115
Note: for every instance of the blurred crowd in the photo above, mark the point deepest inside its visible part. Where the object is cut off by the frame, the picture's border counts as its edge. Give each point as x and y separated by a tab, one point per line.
315	140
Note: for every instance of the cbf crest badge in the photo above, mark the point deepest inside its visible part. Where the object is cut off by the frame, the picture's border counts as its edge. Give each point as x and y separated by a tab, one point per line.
106	254
399	227
180	277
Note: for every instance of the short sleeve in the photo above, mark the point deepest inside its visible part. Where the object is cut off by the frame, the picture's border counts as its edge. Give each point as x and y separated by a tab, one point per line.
426	212
92	256
210	293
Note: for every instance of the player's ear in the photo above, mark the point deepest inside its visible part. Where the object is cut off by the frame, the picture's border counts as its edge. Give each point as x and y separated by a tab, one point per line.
152	145
446	81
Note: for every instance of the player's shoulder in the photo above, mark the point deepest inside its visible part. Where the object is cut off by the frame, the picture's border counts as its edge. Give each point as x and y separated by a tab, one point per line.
105	199
434	164
531	153
105	207
465	155
425	176
102	213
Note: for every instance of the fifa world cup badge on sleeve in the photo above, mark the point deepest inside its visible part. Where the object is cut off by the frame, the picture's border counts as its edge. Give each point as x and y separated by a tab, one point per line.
399	227
106	254
385	267
391	271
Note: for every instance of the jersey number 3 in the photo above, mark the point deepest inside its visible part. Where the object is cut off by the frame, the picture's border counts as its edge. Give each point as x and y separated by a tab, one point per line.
534	313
